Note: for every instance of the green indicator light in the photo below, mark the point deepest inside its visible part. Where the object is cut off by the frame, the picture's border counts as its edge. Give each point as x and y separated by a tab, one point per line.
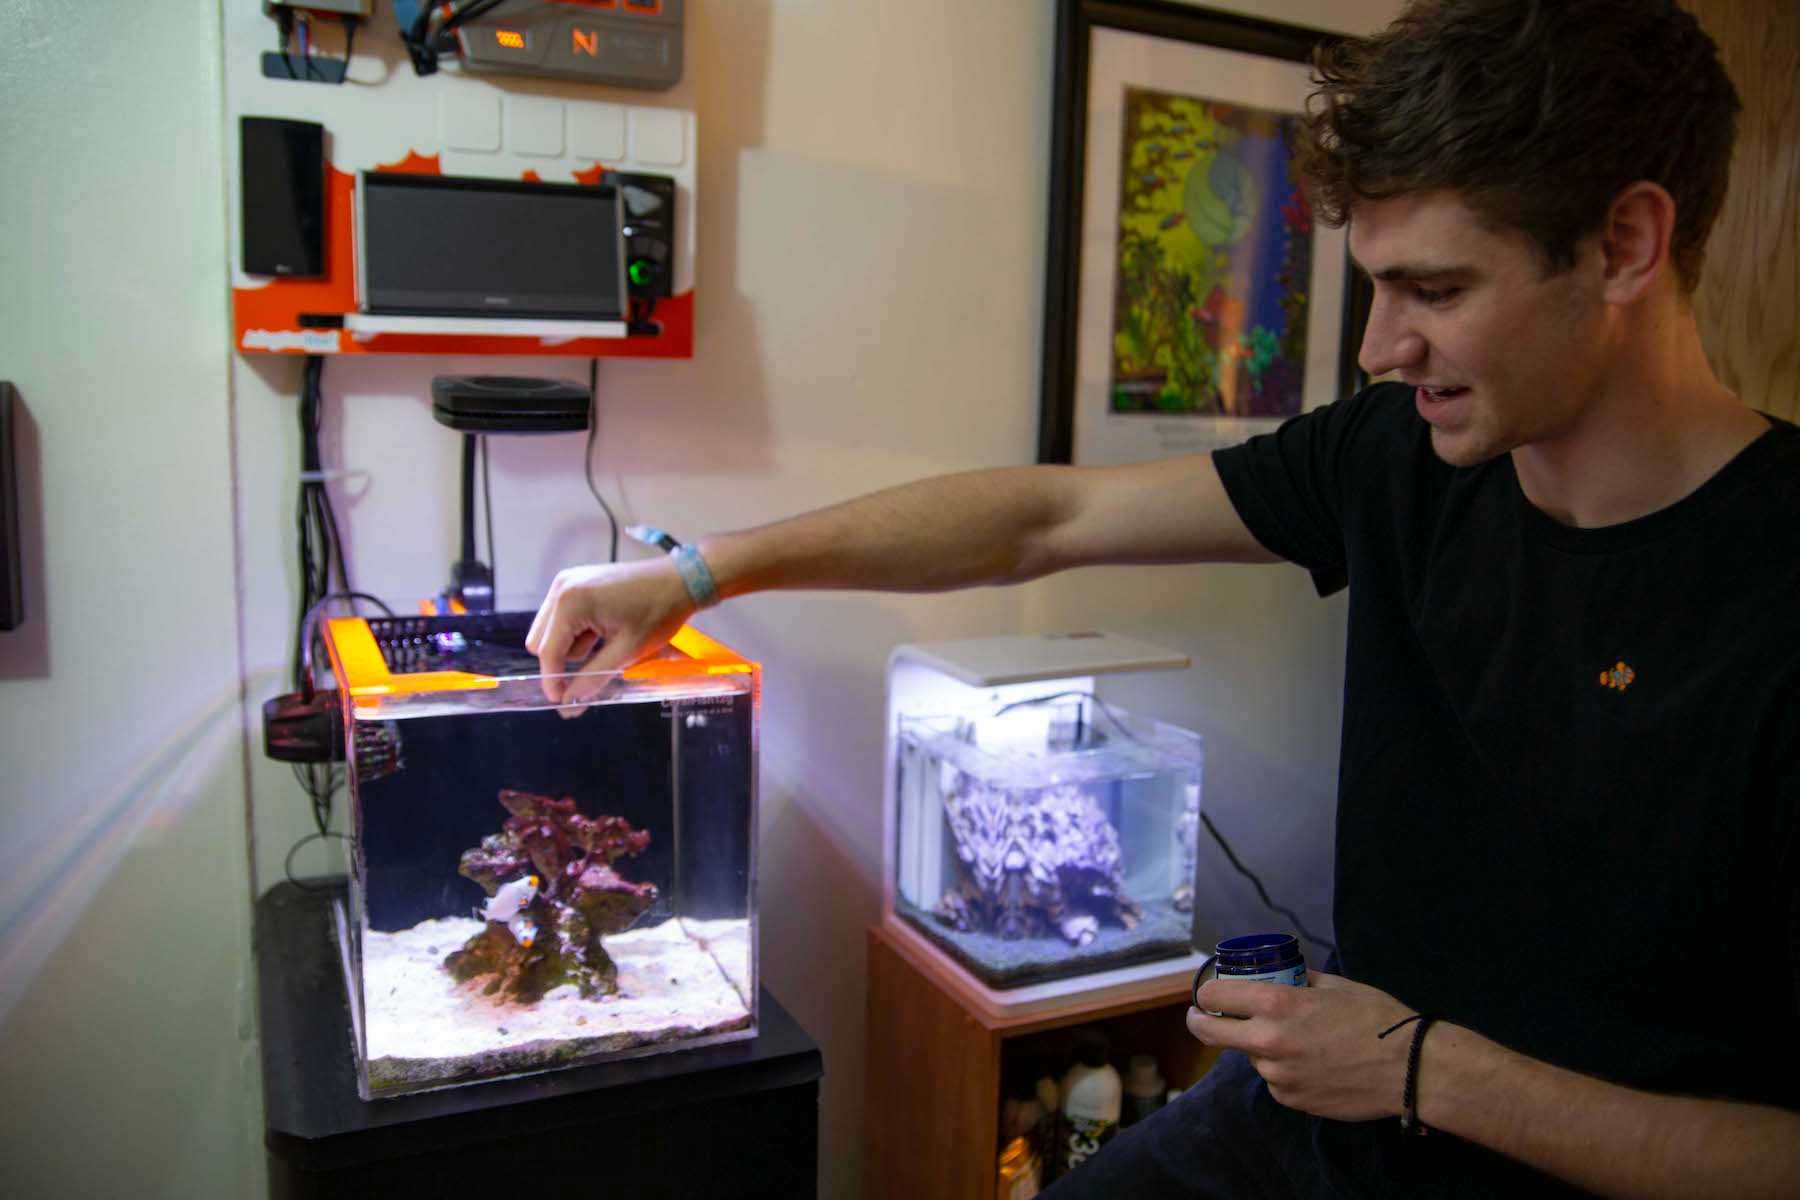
640	271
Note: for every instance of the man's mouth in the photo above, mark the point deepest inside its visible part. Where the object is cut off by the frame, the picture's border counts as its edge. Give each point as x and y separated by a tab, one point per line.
1439	405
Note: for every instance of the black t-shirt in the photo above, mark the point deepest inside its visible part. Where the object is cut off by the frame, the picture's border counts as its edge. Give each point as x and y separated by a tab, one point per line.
1569	788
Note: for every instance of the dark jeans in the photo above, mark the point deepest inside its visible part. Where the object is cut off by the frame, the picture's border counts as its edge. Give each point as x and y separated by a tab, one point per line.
1226	1138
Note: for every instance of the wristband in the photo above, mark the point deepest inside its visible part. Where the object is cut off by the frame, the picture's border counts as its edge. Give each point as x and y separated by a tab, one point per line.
695	576
1409	1108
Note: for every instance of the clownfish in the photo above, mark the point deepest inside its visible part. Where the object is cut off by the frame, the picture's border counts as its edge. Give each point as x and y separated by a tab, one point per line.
510	900
523	929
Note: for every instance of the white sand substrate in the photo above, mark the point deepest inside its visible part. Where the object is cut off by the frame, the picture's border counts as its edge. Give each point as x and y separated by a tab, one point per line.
425	1029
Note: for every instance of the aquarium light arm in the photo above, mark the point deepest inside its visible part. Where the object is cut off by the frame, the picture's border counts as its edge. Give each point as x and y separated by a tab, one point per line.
309	626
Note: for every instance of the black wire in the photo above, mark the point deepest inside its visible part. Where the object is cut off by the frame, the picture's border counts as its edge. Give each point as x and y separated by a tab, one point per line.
288	864
335	543
350	24
487	504
321	781
588	457
1247	873
468	12
1218	837
304	509
1005	708
306	41
320	552
284	24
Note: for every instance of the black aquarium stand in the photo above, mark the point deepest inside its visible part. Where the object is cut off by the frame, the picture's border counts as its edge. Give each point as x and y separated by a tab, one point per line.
732	1120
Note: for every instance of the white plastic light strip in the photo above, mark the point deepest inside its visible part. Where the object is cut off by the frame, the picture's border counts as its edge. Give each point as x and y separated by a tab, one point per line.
364	325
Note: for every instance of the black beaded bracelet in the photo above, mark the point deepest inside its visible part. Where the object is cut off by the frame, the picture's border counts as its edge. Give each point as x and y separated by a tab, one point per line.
1409	1110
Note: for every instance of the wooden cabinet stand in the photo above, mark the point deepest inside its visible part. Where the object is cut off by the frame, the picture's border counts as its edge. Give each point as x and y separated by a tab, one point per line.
935	1059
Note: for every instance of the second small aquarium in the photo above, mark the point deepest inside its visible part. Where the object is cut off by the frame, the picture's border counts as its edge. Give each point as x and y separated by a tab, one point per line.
1040	831
535	886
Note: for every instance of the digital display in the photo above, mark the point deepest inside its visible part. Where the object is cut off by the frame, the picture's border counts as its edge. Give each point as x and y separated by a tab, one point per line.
510	39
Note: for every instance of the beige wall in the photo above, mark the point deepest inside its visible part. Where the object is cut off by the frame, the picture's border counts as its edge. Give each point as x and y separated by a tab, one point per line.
872	201
125	1006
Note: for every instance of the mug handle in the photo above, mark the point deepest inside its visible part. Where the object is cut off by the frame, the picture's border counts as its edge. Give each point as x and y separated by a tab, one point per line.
1200	976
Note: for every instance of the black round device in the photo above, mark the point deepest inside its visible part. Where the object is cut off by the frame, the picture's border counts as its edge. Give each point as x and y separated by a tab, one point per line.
508	404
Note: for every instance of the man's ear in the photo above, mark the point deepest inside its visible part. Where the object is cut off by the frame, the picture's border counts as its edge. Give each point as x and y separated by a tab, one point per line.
1635	240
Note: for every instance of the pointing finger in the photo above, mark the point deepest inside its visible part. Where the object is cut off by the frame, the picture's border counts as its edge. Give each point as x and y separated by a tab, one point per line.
598	676
552	655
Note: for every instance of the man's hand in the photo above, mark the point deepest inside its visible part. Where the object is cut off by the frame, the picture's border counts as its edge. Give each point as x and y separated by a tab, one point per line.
1317	1047
630	610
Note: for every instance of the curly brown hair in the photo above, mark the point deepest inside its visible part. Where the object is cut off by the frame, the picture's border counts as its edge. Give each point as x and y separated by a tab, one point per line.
1536	112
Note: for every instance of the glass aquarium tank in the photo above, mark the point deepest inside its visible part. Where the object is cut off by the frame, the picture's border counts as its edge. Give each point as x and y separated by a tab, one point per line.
533	886
1040	837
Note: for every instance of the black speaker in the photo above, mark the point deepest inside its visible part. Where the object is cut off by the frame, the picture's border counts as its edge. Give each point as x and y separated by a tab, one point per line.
282	172
12	592
508	404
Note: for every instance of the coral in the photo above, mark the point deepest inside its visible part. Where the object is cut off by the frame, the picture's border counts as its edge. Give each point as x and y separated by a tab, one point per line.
555	937
1033	860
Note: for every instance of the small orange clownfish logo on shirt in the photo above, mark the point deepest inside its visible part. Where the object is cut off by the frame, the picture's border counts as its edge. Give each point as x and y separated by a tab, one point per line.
1618	677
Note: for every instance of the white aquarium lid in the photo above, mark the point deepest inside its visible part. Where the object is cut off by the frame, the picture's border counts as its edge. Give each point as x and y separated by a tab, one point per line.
991	661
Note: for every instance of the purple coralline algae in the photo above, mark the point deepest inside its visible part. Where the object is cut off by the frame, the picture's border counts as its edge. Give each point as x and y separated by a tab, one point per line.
553	936
1034	860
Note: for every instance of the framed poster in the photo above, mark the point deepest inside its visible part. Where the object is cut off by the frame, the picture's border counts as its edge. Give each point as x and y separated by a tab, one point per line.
1191	300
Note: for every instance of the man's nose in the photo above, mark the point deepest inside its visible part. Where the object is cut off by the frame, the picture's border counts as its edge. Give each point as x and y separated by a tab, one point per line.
1389	342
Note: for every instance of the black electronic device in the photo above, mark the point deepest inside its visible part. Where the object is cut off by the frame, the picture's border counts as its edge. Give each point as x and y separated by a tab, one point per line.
282	180
435	245
508	404
649	230
479	643
476	405
12	593
622	43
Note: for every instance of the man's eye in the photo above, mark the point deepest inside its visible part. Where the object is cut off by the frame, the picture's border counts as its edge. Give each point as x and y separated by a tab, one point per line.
1437	296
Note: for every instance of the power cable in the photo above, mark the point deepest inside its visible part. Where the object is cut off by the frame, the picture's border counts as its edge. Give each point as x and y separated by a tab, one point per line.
588	456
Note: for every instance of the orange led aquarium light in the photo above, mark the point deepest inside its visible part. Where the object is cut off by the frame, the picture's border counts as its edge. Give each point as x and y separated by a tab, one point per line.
365	670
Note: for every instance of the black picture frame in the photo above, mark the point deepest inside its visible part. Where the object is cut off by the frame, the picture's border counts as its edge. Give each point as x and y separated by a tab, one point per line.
12	579
1076	21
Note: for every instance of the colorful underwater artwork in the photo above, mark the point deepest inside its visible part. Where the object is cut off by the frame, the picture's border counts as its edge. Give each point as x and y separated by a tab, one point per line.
1214	261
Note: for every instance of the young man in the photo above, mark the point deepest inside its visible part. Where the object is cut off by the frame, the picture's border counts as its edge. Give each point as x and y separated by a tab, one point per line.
1569	797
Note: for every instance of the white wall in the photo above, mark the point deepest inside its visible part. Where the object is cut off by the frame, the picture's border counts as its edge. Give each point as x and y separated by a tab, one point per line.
125	1004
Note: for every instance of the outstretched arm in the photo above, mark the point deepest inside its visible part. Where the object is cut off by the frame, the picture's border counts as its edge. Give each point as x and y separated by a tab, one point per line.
953	531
